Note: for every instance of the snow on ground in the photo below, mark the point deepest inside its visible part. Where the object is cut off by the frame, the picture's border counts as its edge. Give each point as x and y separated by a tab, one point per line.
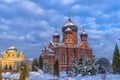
9	75
41	76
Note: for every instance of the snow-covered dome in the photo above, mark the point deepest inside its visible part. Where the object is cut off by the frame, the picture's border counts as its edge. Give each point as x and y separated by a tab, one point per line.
56	35
68	30
12	48
83	33
69	24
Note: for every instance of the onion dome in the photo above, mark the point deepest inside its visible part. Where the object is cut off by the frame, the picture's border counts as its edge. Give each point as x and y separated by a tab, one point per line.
68	31
56	35
12	49
69	24
83	33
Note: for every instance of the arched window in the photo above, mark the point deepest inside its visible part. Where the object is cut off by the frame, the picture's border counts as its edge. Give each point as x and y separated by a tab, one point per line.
13	55
72	58
64	58
56	57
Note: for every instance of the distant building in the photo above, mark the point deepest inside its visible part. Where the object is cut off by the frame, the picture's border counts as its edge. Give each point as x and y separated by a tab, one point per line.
69	51
11	60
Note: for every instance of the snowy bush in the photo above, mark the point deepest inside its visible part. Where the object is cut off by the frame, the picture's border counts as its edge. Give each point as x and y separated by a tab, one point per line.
104	62
85	67
39	76
48	68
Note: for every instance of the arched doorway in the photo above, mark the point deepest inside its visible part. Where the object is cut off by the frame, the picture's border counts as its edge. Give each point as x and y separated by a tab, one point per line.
10	67
6	67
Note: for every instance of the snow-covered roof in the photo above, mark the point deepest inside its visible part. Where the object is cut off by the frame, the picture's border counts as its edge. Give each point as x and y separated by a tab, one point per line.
69	23
56	33
68	29
54	44
50	50
12	49
50	54
84	32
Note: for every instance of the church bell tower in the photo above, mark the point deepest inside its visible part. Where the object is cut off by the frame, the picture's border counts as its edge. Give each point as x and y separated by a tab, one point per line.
84	41
70	33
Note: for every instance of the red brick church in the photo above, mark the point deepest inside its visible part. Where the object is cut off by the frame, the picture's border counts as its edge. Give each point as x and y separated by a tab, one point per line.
69	51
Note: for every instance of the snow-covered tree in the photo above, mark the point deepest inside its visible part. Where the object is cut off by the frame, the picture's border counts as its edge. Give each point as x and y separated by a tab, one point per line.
56	68
24	72
34	64
47	68
84	67
40	61
116	61
104	62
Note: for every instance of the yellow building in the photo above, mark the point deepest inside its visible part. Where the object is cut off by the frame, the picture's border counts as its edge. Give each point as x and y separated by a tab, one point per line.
11	60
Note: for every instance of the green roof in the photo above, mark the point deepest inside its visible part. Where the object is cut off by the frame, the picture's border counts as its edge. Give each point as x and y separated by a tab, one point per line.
12	48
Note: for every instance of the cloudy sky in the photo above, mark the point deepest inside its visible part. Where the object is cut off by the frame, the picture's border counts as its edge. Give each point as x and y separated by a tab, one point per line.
30	24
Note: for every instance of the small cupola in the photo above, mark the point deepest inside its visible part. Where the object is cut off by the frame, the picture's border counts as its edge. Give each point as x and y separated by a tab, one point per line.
83	33
56	35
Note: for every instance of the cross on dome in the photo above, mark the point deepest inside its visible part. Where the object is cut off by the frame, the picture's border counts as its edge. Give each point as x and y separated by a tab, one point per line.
84	31
69	22
56	33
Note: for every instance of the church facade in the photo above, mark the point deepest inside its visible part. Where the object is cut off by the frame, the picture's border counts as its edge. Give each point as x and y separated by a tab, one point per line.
70	50
11	60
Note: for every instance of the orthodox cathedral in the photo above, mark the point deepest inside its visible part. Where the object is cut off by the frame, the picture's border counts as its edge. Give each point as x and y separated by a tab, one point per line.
69	51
